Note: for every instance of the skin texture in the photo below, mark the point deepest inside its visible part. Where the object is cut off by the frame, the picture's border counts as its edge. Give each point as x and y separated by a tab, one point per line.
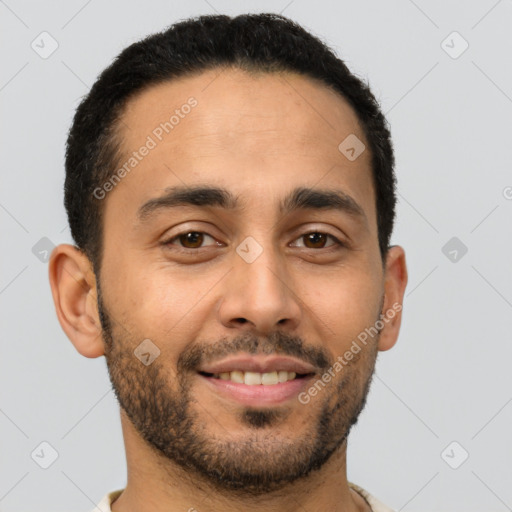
187	445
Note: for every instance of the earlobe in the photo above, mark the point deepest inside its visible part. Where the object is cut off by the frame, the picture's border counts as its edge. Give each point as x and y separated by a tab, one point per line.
395	281
73	287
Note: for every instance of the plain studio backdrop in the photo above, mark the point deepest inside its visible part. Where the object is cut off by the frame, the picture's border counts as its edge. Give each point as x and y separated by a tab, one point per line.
435	435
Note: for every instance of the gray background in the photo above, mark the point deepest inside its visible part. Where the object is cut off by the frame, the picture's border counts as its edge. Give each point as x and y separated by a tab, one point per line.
448	378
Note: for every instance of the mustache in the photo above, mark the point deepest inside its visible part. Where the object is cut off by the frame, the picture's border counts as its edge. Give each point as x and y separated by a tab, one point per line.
278	343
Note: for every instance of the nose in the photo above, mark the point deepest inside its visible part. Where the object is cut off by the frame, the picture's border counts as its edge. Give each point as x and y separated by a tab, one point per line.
259	296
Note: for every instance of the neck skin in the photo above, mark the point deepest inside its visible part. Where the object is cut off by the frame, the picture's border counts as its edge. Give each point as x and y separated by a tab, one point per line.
158	485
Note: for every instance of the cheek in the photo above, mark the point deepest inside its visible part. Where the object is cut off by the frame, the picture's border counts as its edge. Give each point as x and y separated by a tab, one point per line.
344	307
161	304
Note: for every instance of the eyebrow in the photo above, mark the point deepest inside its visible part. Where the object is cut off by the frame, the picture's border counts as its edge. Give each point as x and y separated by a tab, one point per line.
205	196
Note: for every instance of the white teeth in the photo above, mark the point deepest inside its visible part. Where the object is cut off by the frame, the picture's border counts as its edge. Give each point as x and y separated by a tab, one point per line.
256	378
237	376
269	378
282	376
252	378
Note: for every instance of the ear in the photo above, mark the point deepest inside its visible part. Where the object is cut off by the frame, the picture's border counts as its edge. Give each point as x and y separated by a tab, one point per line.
395	281
73	285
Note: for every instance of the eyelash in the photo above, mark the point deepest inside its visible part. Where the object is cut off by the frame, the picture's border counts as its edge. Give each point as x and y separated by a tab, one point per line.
168	242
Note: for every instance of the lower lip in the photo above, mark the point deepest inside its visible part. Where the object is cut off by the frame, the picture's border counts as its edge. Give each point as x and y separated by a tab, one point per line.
258	394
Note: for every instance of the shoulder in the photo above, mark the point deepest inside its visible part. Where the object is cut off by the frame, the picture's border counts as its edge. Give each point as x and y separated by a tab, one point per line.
105	504
374	503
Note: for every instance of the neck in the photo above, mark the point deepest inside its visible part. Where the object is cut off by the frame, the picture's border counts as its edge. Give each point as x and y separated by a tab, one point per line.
156	484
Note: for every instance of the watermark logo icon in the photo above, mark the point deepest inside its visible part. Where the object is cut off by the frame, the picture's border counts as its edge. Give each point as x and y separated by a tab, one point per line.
454	249
44	45
351	147
249	250
454	45
146	352
455	455
42	249
44	455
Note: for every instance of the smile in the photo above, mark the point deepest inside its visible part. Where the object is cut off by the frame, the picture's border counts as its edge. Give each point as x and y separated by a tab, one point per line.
256	378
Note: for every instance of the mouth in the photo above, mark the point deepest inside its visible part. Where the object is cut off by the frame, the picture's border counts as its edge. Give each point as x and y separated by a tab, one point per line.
258	380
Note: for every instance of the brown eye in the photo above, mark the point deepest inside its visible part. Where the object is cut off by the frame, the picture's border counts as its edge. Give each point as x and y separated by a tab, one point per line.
191	240
192	243
315	240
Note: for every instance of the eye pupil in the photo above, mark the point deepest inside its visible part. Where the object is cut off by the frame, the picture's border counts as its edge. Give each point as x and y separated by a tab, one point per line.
193	237
317	239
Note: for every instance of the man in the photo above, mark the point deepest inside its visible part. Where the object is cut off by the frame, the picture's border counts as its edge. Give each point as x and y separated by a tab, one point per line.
230	189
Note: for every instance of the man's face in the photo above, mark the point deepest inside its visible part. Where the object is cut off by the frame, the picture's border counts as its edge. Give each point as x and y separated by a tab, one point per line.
256	286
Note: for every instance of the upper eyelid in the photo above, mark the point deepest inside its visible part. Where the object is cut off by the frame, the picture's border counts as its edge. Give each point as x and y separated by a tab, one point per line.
174	237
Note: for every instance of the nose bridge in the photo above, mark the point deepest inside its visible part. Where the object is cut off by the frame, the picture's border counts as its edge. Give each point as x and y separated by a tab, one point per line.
264	276
257	290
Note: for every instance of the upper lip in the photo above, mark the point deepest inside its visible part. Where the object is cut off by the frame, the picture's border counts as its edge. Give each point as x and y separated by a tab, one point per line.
258	363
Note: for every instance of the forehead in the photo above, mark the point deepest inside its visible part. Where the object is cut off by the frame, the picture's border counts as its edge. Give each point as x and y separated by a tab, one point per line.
234	104
251	133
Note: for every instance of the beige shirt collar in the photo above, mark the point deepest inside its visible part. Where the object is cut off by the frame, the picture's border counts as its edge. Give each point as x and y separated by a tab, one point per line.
105	504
